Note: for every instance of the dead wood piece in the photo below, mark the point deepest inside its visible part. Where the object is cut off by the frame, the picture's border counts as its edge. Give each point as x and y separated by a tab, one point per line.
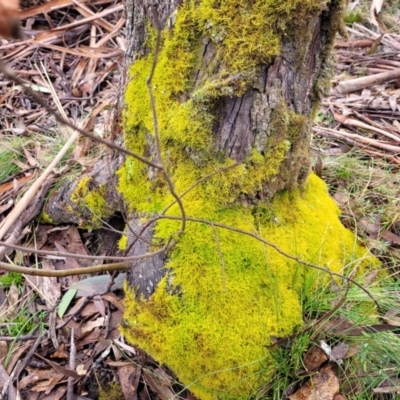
352	85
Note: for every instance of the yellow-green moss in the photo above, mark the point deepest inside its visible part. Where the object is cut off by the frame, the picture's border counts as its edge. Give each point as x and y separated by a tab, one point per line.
91	205
113	391
214	334
123	242
44	218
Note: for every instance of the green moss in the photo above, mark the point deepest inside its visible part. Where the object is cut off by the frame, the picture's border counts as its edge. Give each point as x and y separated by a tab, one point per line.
91	205
113	391
123	242
44	218
248	33
353	16
11	278
235	292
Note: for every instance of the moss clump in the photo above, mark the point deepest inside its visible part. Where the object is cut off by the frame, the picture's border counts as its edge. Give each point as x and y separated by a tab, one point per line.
91	204
235	292
248	33
112	392
123	242
45	218
10	278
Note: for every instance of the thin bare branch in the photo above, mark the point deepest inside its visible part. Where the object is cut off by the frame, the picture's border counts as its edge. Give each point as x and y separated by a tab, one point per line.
155	120
121	266
59	254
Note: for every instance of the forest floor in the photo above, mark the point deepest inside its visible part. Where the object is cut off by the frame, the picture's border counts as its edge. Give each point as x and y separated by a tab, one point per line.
60	335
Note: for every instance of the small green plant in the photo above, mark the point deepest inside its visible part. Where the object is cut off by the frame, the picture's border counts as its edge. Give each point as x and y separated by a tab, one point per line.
353	16
10	278
324	118
7	167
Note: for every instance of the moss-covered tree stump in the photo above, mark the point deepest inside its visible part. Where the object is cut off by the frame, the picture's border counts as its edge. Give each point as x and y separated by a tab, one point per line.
236	85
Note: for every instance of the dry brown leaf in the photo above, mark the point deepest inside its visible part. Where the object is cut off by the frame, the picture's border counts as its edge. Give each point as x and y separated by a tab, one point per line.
87	311
81	370
314	358
13	297
75	245
391	237
3	350
324	385
158	383
9	185
60	352
17	355
339	352
353	350
48	288
49	377
129	377
392	317
48	385
114	300
100	306
56	394
370	278
31	160
90	325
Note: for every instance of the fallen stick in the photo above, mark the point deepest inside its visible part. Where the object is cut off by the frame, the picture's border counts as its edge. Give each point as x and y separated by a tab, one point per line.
352	85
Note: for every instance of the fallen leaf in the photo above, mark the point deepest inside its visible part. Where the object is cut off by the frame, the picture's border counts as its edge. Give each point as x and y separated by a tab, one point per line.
60	353
129	378
99	304
80	370
3	350
314	358
65	302
391	237
392	317
90	325
158	383
339	352
114	300
49	378
56	394
97	284
48	288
